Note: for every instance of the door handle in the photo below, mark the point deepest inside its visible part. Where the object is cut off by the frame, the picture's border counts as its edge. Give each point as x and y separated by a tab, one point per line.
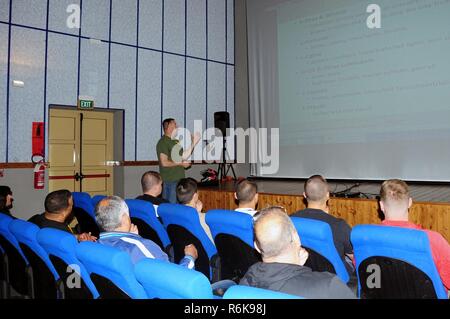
78	177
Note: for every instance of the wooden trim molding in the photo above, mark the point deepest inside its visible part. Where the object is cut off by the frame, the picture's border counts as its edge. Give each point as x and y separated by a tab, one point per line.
16	165
123	163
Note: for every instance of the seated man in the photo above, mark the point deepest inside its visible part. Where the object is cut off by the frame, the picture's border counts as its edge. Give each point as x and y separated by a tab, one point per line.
395	202
113	218
58	209
6	200
283	258
187	194
317	194
151	183
247	196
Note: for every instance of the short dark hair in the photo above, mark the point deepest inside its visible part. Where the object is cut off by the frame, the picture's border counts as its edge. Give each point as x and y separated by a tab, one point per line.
2	202
166	123
186	188
149	180
316	188
246	190
57	201
5	190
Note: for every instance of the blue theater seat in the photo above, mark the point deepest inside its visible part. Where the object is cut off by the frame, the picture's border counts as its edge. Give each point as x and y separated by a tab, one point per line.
60	247
165	280
316	237
143	215
246	292
403	259
111	271
184	228
45	276
233	235
83	209
15	265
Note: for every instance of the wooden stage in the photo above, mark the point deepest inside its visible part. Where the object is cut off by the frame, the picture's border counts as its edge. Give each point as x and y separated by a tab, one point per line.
430	214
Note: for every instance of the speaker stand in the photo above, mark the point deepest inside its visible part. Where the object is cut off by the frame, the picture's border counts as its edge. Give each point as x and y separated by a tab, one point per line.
225	167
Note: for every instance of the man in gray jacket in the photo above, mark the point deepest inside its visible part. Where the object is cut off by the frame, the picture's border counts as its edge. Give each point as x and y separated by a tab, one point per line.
283	258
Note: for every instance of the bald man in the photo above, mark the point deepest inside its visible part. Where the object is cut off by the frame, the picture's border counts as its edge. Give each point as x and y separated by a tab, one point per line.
316	192
282	268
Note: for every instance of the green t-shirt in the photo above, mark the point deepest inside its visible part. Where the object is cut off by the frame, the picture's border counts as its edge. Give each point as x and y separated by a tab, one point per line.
169	174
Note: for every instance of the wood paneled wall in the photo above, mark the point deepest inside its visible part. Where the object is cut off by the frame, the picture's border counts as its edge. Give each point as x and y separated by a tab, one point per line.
434	216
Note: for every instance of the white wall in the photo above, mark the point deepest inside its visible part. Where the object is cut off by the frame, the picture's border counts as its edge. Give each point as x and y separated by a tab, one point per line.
154	59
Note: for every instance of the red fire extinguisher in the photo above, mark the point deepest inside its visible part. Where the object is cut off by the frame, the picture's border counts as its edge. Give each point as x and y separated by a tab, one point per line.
39	176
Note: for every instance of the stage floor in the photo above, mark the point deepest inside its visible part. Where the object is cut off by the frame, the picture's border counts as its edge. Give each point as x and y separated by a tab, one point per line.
437	193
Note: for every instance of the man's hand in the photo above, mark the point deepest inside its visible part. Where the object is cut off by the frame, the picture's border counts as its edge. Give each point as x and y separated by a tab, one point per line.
86	237
186	164
196	138
191	251
134	229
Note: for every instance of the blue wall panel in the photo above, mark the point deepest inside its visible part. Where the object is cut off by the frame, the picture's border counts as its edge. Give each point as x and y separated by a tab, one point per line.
174	27
123	91
33	14
26	104
95	22
149	104
4	10
58	16
216	30
3	84
150	24
173	96
124	26
94	71
196	28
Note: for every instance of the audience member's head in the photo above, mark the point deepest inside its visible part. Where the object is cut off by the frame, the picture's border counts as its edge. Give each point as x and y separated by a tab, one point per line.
169	125
187	191
6	198
112	214
58	204
247	194
151	183
395	200
277	239
316	191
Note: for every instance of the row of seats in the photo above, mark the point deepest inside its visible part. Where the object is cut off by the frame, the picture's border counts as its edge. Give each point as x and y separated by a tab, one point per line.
233	235
394	250
55	265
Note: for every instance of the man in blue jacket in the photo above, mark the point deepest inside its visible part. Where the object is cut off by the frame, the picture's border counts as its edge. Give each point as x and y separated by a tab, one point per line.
113	218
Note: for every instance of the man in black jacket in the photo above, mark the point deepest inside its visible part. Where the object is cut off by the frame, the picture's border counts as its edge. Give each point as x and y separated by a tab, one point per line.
283	258
317	195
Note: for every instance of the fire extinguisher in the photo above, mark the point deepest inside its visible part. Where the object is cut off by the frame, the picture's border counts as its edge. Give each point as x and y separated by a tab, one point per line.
39	173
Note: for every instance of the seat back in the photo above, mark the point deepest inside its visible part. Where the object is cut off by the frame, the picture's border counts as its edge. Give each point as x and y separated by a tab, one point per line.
45	276
143	215
111	271
233	235
395	262
246	292
184	228
317	238
84	212
60	247
164	280
17	263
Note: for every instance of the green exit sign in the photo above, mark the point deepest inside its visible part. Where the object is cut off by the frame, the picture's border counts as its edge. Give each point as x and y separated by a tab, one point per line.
85	104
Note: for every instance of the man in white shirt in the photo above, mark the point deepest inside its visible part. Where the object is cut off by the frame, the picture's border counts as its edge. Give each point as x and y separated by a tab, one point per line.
247	195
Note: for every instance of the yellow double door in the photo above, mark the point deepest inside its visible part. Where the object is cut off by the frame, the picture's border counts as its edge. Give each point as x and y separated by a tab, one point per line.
81	151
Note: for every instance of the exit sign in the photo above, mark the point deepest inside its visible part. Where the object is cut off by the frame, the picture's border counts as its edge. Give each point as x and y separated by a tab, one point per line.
85	104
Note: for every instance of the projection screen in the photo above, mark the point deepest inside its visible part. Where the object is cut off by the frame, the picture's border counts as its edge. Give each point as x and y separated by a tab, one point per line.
355	94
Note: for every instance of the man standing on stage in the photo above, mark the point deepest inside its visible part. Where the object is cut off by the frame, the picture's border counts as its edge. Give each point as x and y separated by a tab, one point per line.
173	161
